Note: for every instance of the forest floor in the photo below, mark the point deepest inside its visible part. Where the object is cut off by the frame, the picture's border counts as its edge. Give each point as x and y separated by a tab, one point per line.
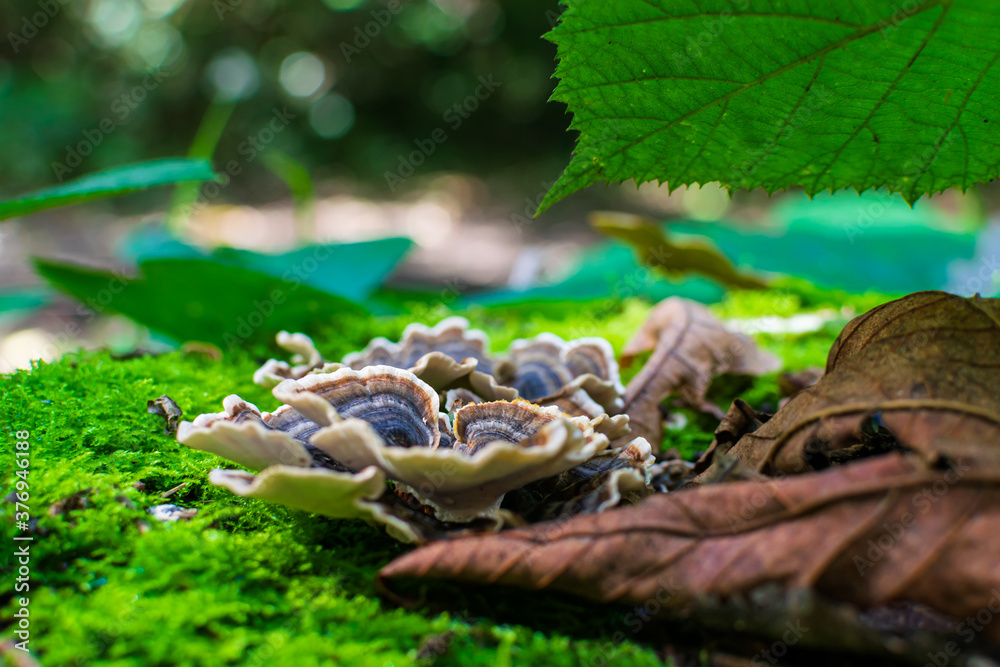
247	583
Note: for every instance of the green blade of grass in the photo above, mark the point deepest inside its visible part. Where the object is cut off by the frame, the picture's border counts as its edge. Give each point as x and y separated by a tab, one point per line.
213	123
110	183
296	176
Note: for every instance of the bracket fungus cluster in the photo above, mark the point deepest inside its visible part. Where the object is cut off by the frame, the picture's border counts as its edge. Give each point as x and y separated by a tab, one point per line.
432	435
580	376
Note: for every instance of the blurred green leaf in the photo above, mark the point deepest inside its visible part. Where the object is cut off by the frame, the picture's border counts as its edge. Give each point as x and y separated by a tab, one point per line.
676	259
154	241
350	270
845	241
110	183
23	300
606	271
203	300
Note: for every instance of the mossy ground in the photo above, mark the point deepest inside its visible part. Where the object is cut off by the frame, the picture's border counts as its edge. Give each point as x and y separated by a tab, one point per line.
246	583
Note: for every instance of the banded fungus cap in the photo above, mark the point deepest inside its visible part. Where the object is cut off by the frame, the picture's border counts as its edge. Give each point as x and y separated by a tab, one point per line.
451	336
549	369
401	408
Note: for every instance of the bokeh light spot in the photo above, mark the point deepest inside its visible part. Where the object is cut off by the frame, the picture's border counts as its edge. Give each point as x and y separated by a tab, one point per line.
233	74
332	116
302	74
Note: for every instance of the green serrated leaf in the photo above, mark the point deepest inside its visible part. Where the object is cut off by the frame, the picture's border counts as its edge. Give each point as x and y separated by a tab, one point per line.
110	183
753	93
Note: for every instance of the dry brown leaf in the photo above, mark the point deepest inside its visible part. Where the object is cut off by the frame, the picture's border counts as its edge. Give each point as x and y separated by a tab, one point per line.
792	383
167	408
656	248
921	373
881	531
740	420
690	347
907	538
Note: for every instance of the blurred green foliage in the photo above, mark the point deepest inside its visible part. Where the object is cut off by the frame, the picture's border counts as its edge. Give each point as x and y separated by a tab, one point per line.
110	183
871	241
101	83
231	297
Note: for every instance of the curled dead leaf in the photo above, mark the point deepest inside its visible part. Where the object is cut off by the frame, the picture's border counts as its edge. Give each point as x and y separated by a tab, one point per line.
897	545
167	408
740	420
676	259
690	347
877	532
920	374
792	383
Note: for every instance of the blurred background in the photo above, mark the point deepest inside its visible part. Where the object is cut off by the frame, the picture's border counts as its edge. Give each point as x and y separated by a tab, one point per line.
416	131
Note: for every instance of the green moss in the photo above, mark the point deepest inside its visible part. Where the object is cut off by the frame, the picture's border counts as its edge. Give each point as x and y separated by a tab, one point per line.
246	583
